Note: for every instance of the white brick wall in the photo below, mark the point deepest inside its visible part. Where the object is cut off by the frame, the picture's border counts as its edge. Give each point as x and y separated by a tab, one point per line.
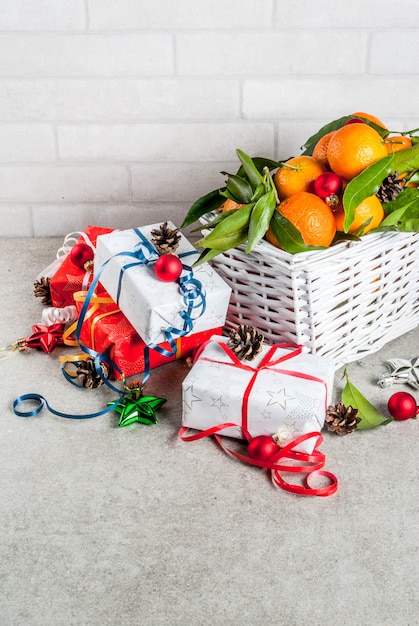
122	112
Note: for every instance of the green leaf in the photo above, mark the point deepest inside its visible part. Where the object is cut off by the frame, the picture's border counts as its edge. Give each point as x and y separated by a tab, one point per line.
260	219
288	236
227	194
258	193
391	220
409	226
219	218
310	144
413	177
409	197
225	242
344	237
229	233
206	255
252	173
364	185
240	189
370	417
405	206
260	163
406	160
211	201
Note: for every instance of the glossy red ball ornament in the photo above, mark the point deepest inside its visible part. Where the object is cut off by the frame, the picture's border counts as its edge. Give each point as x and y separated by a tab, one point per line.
80	253
327	184
354	120
261	448
168	268
402	406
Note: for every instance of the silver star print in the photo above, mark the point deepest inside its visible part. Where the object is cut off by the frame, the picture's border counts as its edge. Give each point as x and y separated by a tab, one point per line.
218	403
207	270
189	397
279	397
307	410
217	318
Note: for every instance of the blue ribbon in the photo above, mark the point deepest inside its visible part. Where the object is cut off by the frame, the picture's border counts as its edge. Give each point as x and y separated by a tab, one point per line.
195	304
41	402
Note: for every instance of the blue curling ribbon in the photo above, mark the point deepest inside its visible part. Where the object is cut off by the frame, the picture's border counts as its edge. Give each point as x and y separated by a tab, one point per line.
193	297
41	402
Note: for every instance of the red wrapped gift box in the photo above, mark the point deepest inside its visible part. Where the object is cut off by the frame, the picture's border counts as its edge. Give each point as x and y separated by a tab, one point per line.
106	329
69	278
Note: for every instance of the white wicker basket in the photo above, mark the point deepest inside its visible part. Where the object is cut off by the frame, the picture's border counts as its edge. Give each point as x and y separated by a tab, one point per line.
344	302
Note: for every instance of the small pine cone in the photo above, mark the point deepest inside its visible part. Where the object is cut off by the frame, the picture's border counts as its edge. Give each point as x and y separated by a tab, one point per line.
245	342
390	188
341	420
42	290
165	239
87	376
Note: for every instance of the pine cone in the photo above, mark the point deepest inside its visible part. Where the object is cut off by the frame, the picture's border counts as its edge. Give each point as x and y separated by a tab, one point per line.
245	342
87	376
390	188
42	290
341	420
165	239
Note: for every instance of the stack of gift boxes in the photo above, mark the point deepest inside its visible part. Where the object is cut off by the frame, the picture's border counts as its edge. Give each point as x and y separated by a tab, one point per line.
122	325
125	309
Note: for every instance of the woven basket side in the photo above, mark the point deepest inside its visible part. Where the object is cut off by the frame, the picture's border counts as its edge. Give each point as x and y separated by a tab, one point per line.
343	302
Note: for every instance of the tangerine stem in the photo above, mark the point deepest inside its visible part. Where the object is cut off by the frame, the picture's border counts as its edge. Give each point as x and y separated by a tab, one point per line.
273	186
406	132
291	167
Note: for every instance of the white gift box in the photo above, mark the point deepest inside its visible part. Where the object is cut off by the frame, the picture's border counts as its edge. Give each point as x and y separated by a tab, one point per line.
151	305
288	394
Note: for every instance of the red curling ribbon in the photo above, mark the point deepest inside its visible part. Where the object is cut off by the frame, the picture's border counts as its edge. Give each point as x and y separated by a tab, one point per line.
310	465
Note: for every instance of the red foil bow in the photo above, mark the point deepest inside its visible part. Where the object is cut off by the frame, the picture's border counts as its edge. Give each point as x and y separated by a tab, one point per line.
45	337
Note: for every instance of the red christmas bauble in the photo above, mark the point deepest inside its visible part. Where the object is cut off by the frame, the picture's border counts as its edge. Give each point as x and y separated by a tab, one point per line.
80	253
402	406
168	268
262	448
327	184
354	120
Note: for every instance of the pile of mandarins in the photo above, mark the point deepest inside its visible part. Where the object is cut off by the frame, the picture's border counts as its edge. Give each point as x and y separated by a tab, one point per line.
310	188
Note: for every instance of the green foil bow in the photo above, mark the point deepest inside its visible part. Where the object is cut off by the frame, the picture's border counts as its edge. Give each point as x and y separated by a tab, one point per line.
136	407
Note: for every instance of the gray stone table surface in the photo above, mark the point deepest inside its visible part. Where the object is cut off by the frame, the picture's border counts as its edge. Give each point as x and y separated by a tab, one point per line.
124	526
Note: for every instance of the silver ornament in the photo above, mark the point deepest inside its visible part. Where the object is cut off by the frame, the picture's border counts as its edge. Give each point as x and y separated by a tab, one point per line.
401	371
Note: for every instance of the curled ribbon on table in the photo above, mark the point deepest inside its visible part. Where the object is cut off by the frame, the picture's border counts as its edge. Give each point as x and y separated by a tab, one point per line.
285	460
131	405
59	315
